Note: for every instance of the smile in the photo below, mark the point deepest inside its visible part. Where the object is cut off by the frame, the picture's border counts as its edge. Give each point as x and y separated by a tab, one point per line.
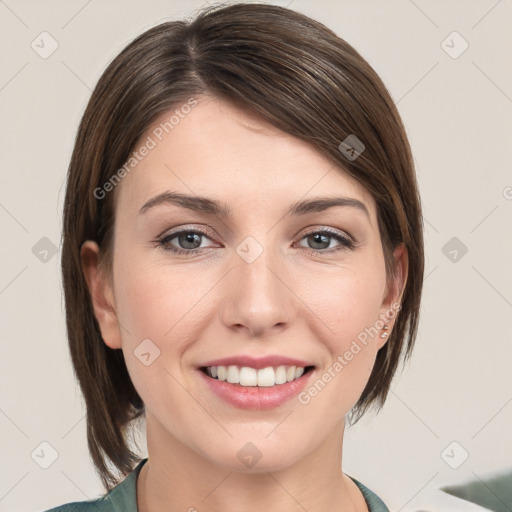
245	387
251	377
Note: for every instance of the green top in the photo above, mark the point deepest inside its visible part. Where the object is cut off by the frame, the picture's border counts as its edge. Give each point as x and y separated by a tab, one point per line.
494	493
123	498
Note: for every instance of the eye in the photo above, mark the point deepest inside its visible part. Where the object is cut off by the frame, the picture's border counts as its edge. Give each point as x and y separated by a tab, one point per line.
321	240
189	239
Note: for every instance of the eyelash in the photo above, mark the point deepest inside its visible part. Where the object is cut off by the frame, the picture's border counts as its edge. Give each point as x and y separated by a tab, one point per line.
345	243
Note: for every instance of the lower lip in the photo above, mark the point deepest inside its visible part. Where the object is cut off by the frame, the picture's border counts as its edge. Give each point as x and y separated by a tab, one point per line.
255	397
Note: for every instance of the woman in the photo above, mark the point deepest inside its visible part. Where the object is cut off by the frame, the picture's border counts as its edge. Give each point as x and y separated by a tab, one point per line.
242	263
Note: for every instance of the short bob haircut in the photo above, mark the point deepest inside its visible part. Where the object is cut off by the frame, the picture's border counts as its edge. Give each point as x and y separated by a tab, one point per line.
282	67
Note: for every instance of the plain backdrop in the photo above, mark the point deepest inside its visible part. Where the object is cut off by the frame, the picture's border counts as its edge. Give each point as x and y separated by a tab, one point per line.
456	103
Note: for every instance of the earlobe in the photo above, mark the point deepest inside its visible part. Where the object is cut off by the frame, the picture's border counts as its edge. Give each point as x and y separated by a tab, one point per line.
101	294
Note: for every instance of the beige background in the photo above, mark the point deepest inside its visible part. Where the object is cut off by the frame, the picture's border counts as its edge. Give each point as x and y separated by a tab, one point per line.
457	112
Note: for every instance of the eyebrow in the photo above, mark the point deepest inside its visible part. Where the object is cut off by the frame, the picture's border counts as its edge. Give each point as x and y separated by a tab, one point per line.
213	207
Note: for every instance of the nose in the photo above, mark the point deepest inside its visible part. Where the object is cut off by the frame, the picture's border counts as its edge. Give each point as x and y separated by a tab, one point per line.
257	297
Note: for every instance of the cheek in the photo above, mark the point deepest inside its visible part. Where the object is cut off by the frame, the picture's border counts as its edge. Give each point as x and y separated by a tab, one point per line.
157	302
163	306
349	306
349	311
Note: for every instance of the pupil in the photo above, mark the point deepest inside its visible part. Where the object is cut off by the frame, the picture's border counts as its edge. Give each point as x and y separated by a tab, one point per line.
189	239
317	238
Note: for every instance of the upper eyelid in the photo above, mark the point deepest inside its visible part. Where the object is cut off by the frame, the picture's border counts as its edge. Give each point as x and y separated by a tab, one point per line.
177	231
204	232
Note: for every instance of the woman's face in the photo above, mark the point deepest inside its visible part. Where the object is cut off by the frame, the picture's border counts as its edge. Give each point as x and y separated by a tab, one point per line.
258	277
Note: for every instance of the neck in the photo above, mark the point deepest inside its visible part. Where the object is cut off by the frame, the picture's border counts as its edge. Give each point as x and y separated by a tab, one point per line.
177	479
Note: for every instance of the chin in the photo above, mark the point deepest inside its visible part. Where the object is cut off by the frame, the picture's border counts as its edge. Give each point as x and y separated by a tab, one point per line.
257	456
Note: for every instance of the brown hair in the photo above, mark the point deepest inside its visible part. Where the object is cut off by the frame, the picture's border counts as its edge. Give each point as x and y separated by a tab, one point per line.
290	71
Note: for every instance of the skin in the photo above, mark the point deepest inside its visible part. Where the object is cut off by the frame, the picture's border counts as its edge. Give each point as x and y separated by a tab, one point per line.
214	304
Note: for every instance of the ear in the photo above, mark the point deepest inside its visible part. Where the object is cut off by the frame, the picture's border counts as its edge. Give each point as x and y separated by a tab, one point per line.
101	293
394	290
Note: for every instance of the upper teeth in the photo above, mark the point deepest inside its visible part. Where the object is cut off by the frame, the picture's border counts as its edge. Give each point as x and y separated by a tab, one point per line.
246	376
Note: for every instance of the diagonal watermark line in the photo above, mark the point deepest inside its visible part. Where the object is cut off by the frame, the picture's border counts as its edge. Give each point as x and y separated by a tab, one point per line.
425	14
489	283
77	486
88	497
507	505
75	15
186	185
12	12
14	76
431	225
199	403
492	8
418	82
215	284
5	495
501	408
414	413
405	504
195	194
76	75
492	81
303	195
14	218
279	423
437	266
13	279
217	486
69	431
111	500
14	423
484	218
286	491
332	332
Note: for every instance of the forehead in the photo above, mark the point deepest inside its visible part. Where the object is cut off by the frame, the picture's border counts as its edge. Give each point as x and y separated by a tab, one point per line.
220	151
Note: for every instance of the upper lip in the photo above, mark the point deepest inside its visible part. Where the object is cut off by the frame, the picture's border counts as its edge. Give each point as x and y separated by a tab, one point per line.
257	362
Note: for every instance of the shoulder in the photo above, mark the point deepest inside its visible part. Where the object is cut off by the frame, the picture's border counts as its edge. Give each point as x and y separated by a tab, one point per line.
103	504
82	506
122	498
373	502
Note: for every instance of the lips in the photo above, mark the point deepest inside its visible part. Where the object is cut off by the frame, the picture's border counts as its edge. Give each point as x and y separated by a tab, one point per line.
255	397
256	383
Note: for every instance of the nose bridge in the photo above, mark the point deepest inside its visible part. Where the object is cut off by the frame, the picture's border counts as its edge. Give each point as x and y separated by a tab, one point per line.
259	298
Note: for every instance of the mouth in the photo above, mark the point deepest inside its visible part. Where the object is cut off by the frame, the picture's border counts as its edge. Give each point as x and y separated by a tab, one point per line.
246	376
246	387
